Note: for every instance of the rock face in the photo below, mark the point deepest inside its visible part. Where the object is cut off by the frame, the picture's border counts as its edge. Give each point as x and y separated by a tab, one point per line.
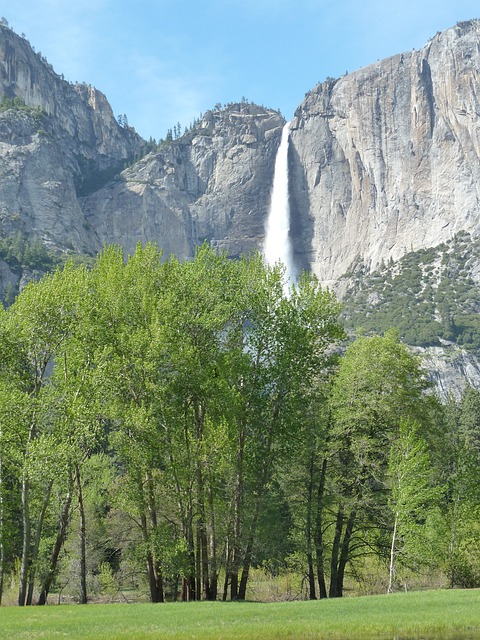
212	184
61	162
81	113
450	369
61	144
386	160
382	162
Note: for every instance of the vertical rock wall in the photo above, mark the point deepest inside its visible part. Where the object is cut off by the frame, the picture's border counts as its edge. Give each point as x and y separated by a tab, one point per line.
387	159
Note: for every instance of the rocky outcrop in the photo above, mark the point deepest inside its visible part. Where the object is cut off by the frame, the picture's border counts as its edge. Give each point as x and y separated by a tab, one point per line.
62	161
211	185
81	113
450	369
383	161
38	195
387	159
60	140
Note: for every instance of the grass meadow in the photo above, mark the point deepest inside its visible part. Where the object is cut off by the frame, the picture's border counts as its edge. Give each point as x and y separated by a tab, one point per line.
445	614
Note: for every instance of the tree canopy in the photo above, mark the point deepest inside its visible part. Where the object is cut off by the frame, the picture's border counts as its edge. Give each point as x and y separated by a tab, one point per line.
177	425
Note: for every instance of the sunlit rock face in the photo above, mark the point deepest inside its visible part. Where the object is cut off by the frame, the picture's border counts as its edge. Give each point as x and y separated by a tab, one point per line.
64	179
450	369
80	113
61	145
386	160
381	162
210	185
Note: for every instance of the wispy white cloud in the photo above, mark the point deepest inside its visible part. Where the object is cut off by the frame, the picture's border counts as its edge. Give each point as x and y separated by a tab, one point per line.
65	32
166	94
294	8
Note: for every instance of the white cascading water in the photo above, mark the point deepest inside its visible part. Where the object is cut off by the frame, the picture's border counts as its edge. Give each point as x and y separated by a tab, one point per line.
278	247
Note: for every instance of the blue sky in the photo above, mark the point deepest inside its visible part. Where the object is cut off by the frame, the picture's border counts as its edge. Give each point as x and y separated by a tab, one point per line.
166	61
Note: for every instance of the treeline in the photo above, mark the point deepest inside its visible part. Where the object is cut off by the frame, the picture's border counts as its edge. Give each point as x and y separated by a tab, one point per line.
175	424
21	253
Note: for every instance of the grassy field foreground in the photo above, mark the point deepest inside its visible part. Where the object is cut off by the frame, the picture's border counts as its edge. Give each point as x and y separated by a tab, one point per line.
431	614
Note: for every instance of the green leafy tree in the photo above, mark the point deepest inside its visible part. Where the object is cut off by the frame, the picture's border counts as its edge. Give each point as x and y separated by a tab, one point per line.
459	460
132	369
414	495
38	324
287	343
207	364
379	383
305	482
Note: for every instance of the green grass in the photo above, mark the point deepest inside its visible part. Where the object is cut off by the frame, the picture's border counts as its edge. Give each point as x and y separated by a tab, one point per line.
434	614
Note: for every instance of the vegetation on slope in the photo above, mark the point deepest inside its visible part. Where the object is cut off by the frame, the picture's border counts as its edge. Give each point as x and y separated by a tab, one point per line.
19	105
23	256
430	296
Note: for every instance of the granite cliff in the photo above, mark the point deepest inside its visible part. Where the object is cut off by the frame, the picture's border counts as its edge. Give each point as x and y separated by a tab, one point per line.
63	175
57	141
383	162
212	184
386	160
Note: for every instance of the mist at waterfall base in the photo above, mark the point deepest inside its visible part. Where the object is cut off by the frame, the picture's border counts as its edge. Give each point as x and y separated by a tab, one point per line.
278	247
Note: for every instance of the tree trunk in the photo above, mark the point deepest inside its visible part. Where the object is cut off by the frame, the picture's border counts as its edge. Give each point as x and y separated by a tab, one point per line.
237	517
36	545
185	514
191	581
319	550
263	478
191	587
391	576
198	567
226	581
213	547
234	585
204	555
61	534
82	540
453	542
344	555
26	534
154	571
155	579
308	532
203	578
247	559
26	543
335	553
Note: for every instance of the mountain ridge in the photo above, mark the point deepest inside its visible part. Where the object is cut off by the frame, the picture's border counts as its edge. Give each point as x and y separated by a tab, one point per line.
383	162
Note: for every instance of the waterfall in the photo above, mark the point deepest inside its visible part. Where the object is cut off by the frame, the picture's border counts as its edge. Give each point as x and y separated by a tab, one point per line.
277	247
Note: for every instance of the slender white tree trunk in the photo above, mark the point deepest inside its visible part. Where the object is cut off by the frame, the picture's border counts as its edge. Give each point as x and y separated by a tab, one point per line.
392	556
